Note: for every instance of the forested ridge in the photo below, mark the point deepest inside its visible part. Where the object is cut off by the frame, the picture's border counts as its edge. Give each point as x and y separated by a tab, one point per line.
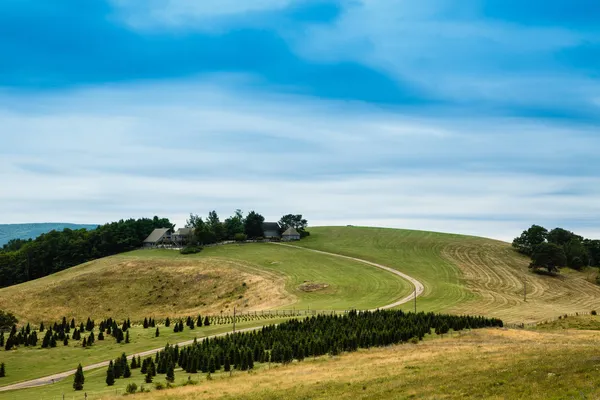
25	260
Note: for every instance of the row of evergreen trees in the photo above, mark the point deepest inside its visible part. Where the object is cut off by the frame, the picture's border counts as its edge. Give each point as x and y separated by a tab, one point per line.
314	336
22	261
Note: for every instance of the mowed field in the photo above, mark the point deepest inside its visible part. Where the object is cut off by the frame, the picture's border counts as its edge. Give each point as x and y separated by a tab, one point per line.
464	274
489	363
163	283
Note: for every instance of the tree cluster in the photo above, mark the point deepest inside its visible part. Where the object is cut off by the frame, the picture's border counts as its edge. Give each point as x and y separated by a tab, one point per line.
238	227
313	336
557	248
55	251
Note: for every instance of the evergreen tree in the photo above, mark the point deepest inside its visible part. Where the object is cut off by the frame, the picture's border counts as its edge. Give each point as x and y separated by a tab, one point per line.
171	373
127	337
101	336
2	370
66	340
157	333
227	365
127	371
73	323
117	368
199	321
206	321
53	341
110	374
145	323
42	327
84	344
149	377
134	363
79	379
167	322
192	324
1	338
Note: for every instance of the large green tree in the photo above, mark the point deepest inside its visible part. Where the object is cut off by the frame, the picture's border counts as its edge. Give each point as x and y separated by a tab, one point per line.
529	239
253	226
234	225
295	221
561	237
216	226
549	256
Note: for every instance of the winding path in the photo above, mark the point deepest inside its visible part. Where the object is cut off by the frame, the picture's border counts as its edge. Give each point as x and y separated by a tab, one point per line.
48	380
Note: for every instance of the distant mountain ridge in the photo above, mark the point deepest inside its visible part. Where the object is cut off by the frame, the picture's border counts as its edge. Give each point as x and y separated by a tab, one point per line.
31	231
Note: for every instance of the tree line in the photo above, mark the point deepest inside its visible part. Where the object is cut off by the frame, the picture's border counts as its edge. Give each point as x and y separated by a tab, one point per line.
25	260
238	227
313	336
557	248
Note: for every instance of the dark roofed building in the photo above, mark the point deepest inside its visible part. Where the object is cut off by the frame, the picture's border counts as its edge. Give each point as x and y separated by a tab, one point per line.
158	237
290	234
182	236
271	230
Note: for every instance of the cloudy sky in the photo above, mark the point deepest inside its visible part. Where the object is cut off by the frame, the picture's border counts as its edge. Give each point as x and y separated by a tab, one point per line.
478	117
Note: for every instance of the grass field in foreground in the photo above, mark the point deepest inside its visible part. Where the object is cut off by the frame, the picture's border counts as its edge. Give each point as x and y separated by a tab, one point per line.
163	283
464	274
490	364
29	363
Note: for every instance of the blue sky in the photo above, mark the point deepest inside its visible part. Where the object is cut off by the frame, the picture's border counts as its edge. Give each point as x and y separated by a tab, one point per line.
479	117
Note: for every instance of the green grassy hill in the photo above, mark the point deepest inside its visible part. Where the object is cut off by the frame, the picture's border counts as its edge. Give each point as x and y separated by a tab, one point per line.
163	283
464	274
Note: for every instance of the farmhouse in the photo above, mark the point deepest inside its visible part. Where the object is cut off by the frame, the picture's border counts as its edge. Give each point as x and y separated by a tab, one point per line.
290	234
182	236
271	230
158	237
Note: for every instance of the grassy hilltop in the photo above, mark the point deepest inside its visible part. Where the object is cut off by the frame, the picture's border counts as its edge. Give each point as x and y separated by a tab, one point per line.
464	274
461	275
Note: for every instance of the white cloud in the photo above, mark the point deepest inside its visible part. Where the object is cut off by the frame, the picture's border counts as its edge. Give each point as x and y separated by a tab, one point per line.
96	155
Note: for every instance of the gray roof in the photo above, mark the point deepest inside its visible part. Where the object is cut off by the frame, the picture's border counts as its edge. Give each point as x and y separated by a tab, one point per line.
290	232
156	235
270	226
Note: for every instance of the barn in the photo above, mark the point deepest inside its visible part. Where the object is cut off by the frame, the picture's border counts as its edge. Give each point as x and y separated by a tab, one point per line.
271	230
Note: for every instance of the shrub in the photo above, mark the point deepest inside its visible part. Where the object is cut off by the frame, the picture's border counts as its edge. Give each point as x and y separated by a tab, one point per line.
594	312
191	250
240	237
414	340
131	388
159	386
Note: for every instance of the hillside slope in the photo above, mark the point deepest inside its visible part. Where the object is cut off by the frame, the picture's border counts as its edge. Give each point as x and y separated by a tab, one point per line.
163	283
464	274
31	231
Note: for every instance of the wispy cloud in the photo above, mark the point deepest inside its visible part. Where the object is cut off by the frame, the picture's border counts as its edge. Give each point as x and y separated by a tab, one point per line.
479	117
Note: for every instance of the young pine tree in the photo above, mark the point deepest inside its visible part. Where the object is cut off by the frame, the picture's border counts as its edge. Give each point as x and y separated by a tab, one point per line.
2	370
127	371
157	333
206	321
148	377
171	373
79	379
127	337
167	322
110	374
227	365
66	340
145	323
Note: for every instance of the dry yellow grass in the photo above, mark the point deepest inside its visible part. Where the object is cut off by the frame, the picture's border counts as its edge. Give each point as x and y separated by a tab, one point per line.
497	274
493	363
139	287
